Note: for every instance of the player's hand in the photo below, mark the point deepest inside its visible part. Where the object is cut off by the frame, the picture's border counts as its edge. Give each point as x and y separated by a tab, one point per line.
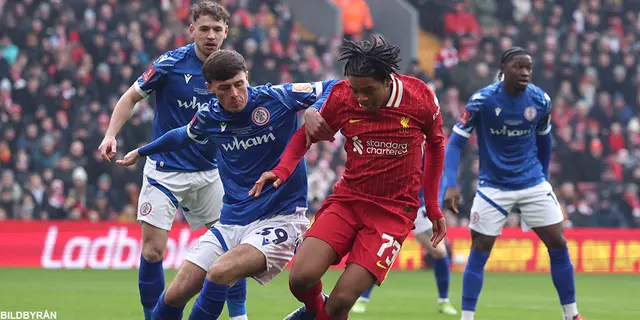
129	159
264	178
439	231
452	199
316	127
108	148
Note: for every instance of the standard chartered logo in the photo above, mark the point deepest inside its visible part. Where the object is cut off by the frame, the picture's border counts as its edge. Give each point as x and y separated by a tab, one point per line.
192	104
511	133
381	148
357	144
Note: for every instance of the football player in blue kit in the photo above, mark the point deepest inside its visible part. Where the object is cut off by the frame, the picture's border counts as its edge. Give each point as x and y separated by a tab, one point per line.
512	119
256	236
187	178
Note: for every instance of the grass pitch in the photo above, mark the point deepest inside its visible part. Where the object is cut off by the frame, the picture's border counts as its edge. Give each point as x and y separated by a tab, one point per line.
113	295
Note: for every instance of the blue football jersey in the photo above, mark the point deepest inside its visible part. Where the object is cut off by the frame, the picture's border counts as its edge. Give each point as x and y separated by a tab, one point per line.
251	142
506	128
176	77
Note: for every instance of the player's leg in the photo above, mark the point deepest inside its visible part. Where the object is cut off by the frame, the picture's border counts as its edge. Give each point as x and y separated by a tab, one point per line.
375	248
354	281
156	211
441	262
238	263
541	212
265	248
489	213
189	279
202	207
361	304
327	241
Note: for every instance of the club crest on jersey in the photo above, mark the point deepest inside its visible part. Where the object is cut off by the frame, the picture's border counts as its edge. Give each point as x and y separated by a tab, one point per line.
148	74
145	209
475	218
530	113
302	87
404	122
260	116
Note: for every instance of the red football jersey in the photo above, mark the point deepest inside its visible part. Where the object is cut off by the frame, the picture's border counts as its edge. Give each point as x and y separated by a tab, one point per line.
384	150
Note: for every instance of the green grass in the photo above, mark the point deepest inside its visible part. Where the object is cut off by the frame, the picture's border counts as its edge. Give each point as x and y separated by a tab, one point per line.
113	294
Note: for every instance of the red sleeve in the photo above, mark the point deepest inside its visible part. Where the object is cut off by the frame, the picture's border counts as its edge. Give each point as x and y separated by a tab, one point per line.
292	155
434	156
297	146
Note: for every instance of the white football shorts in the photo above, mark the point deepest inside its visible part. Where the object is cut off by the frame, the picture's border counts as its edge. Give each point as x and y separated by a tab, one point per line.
199	194
538	205
277	237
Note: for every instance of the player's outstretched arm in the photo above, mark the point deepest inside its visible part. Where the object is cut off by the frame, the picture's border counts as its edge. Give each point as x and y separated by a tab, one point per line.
172	140
120	115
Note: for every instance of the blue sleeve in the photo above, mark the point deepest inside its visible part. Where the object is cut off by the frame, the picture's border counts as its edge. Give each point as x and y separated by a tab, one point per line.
461	132
544	140
545	145
154	77
202	126
452	159
467	121
300	96
544	126
172	140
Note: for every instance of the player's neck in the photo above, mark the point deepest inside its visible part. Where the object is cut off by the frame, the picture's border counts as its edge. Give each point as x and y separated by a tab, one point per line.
513	92
389	91
201	55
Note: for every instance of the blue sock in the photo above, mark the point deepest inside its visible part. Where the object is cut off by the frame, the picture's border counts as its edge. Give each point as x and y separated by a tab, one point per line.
367	294
150	284
443	276
562	275
210	303
237	299
166	312
472	279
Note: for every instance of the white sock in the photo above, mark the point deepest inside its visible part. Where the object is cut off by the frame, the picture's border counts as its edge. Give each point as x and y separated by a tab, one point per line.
242	317
570	310
443	300
467	315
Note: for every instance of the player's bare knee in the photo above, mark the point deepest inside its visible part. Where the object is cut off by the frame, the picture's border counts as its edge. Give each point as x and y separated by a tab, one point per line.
481	242
439	252
223	273
552	236
341	301
177	294
154	242
300	281
186	284
152	252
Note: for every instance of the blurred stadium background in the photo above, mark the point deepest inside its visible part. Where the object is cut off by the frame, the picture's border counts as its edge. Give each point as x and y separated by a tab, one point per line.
64	64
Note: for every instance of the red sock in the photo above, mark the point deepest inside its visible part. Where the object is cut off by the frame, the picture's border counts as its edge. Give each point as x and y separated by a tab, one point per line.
312	298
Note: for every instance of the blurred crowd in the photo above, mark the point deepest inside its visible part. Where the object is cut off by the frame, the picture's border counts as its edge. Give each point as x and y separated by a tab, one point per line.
64	64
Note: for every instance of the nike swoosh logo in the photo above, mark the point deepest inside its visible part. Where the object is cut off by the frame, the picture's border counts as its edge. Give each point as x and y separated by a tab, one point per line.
379	264
354	120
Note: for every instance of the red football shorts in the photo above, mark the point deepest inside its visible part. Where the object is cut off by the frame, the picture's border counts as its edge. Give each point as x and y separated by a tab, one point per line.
373	236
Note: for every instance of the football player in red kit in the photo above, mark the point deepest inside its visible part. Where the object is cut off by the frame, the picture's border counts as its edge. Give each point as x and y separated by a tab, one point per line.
385	118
